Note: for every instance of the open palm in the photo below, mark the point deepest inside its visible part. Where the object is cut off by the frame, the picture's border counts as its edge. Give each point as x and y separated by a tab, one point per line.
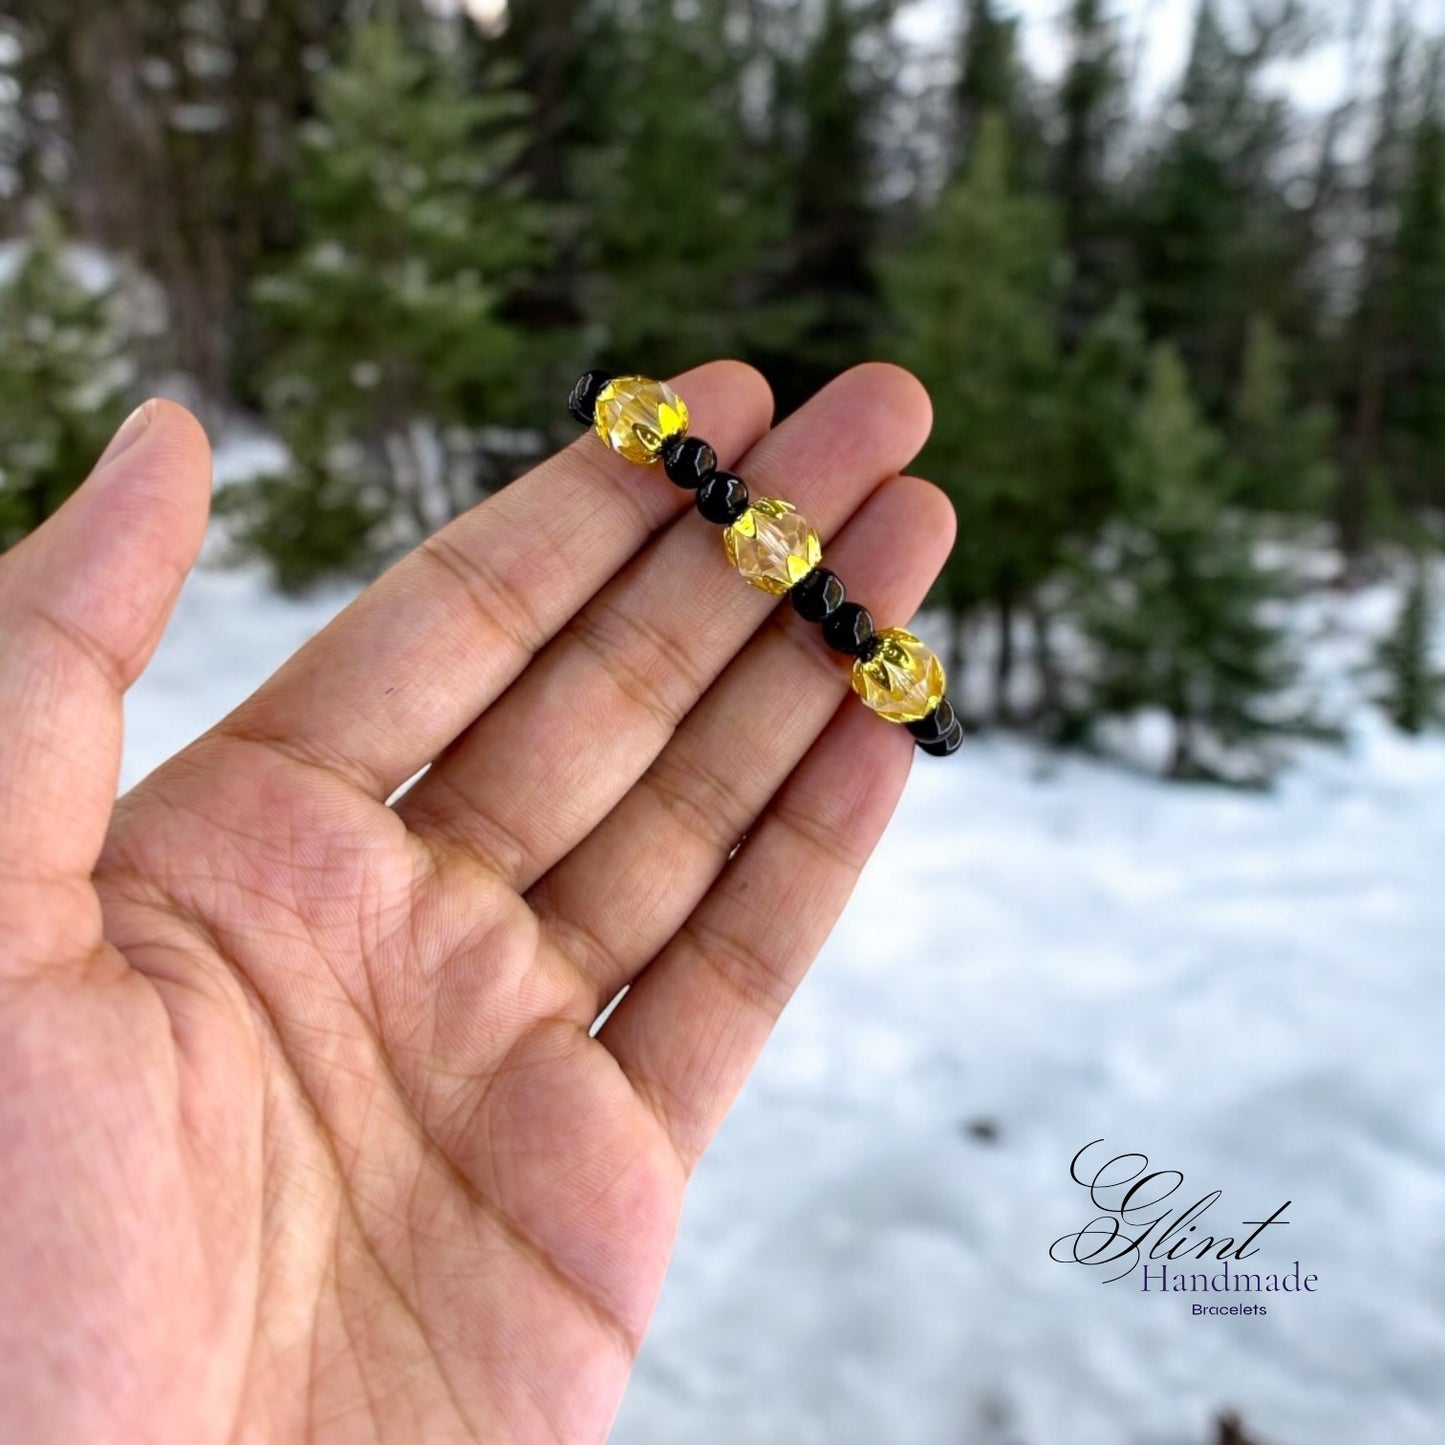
304	1129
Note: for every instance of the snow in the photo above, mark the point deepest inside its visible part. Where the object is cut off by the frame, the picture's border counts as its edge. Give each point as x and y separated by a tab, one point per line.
1047	951
1242	987
228	634
92	267
247	451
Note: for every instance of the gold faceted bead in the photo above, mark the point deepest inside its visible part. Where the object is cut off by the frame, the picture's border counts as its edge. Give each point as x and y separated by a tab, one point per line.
902	680
772	546
635	416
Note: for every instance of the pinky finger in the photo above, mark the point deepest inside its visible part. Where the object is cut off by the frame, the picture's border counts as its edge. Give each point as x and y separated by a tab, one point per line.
691	1027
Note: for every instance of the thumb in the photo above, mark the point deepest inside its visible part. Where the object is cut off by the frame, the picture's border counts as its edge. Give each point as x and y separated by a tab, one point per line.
83	602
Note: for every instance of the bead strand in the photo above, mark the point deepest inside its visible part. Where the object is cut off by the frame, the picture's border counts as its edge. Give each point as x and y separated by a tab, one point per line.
776	549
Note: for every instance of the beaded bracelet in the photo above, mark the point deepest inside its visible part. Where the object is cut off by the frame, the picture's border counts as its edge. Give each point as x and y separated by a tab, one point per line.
774	548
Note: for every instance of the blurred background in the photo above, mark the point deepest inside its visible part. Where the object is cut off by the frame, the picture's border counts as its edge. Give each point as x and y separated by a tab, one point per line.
1174	273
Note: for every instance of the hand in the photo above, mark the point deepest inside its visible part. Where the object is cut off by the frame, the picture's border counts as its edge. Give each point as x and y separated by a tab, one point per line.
303	1133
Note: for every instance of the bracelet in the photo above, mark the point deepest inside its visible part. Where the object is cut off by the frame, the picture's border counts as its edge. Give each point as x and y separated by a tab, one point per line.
774	548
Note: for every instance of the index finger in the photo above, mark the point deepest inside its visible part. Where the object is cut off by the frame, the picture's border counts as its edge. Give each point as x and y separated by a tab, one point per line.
429	646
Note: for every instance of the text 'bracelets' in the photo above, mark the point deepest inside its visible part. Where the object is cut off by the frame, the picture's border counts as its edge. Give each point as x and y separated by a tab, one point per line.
775	548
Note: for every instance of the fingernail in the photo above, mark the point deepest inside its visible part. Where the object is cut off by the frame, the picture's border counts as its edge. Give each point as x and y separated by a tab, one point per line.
131	430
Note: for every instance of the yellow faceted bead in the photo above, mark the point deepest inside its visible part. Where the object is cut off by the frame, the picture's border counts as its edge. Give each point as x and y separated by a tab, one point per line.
903	680
636	415
772	546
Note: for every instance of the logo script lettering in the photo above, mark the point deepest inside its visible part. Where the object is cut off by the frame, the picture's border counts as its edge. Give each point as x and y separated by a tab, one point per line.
1140	1219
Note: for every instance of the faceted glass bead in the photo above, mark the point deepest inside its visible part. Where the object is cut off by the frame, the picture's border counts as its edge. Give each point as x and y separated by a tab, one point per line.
902	680
636	417
772	545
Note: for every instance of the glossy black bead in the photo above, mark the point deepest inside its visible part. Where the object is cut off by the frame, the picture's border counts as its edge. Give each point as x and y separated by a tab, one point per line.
583	401
722	498
688	461
849	629
929	729
818	596
947	745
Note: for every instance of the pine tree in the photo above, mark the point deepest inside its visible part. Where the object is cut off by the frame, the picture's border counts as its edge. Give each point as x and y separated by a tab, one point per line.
1367	492
992	81
684	206
828	113
563	60
1212	239
64	375
1092	102
1174	602
1414	694
565	55
974	298
395	366
1102	380
1279	450
1099	389
1414	390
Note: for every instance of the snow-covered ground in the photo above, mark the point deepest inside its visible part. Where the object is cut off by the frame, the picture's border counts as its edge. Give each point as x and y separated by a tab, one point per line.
1248	988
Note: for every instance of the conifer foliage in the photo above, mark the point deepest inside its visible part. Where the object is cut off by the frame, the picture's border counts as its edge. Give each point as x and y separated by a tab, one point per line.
64	377
391	350
1414	692
1174	607
973	300
686	215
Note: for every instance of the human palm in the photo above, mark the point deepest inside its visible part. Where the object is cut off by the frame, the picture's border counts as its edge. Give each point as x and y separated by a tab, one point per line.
306	1131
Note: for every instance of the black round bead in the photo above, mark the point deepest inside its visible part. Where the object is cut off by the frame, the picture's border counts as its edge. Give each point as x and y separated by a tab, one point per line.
818	596
929	729
947	745
722	498
849	629
583	401
688	461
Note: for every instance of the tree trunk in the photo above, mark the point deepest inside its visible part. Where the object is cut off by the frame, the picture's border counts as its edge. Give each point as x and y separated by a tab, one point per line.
1363	457
954	664
1050	685
1004	660
1181	763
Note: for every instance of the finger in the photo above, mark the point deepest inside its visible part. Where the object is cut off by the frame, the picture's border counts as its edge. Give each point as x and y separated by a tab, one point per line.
615	900
85	599
539	771
377	694
688	1032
